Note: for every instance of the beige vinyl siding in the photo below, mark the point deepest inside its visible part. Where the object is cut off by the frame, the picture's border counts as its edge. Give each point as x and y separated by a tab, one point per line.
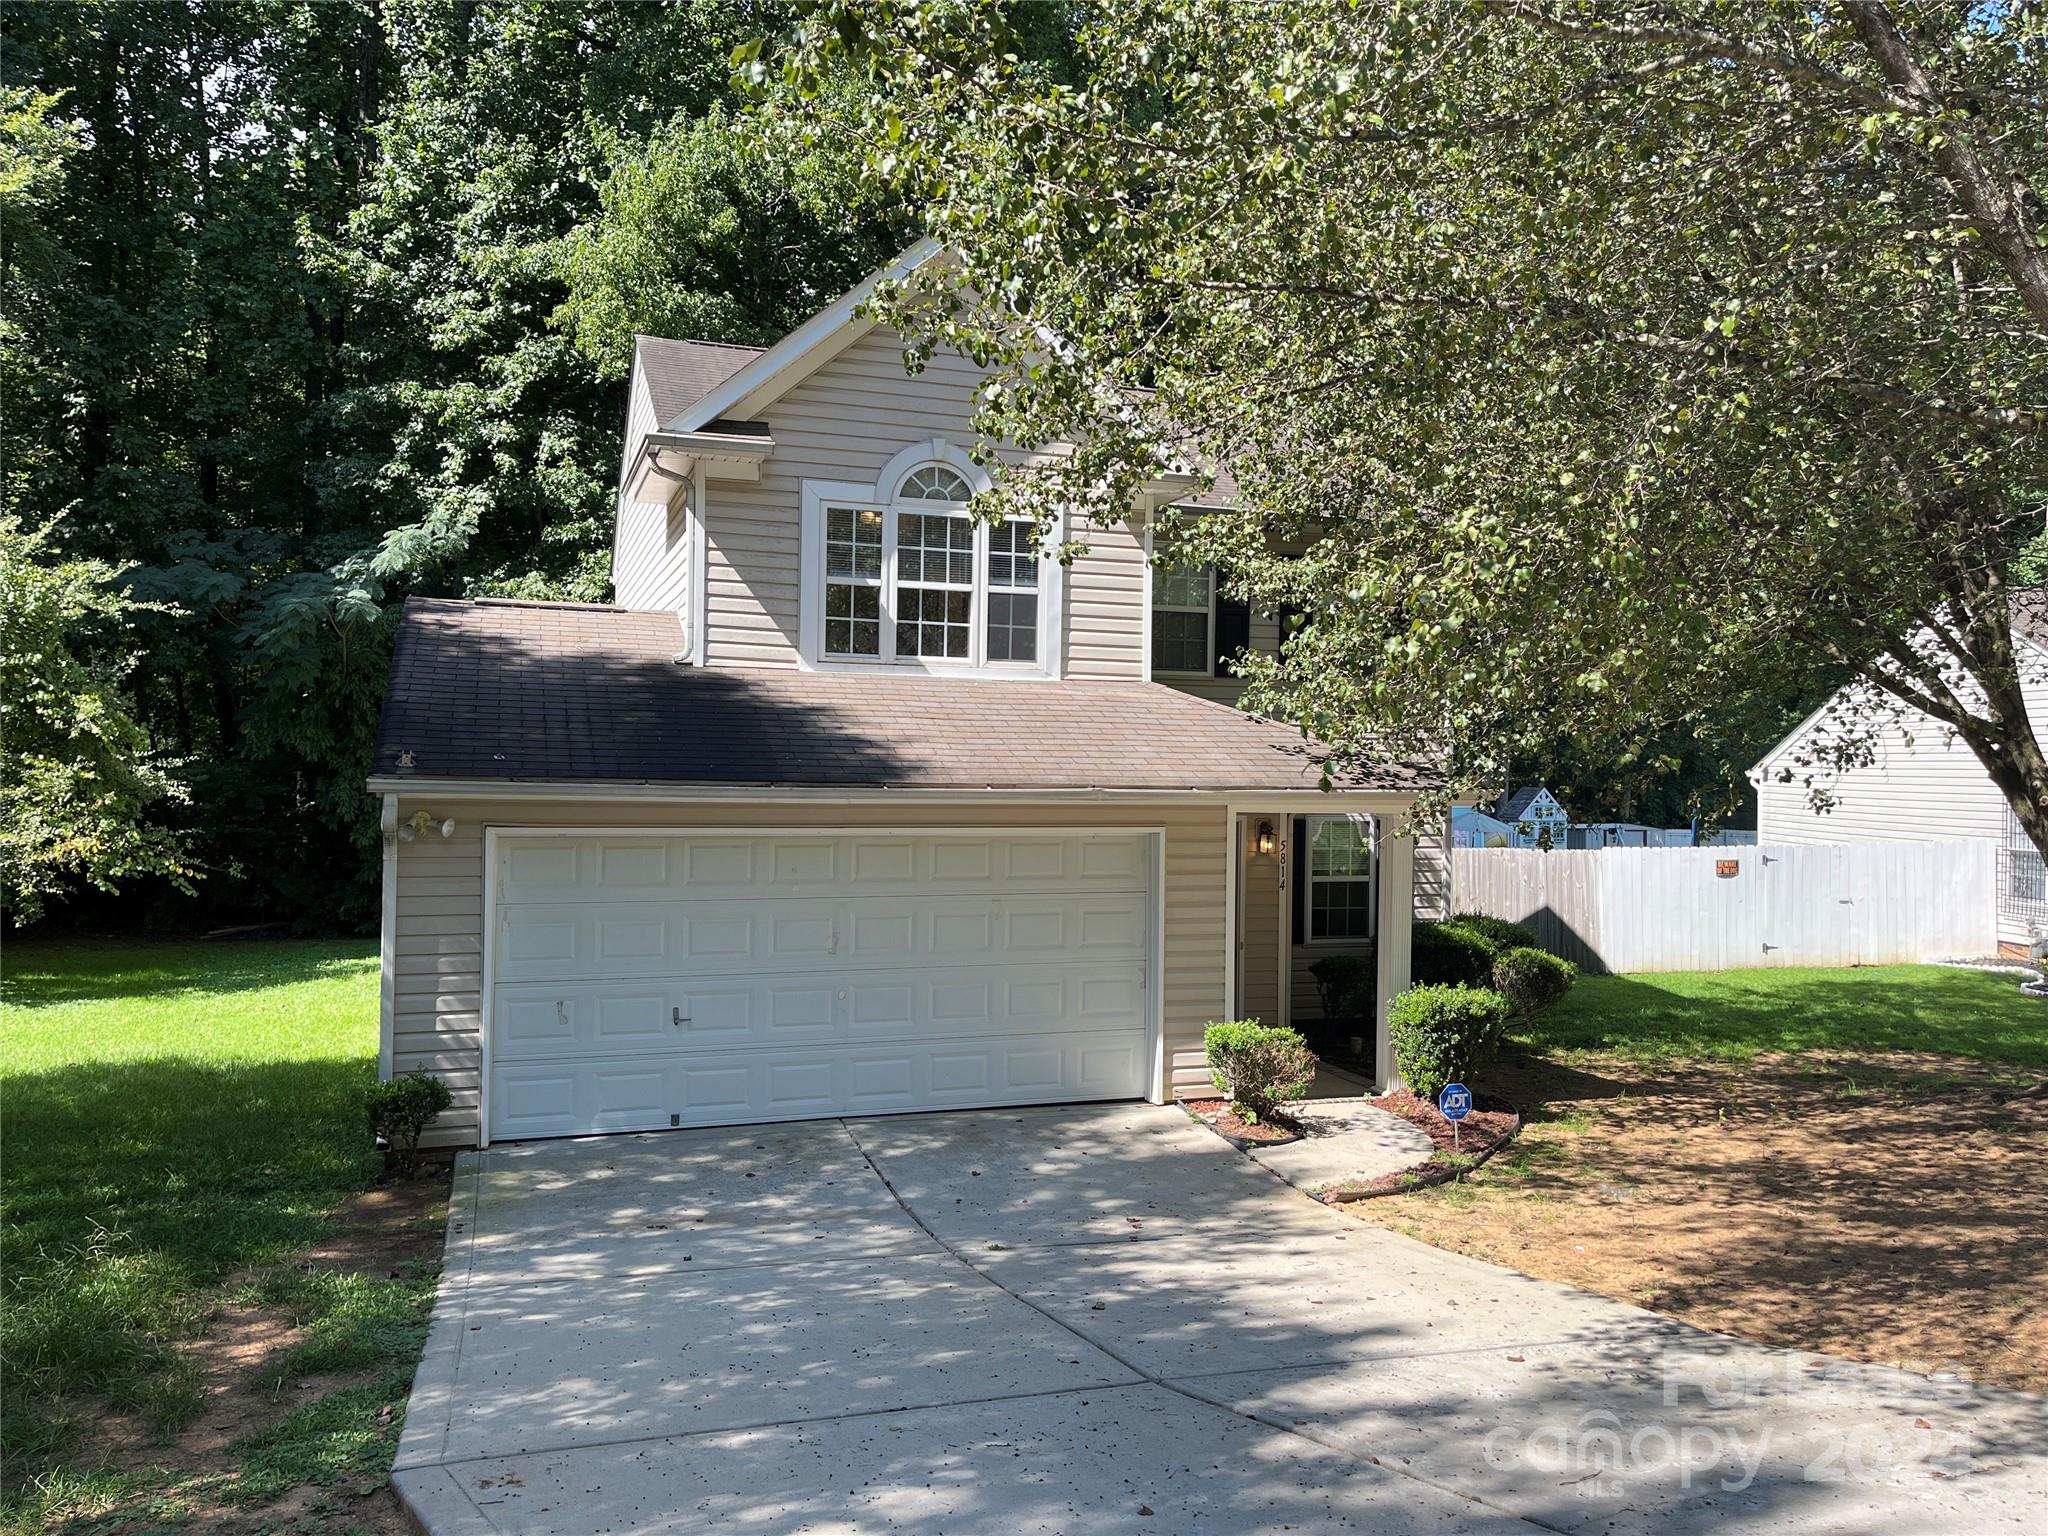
1433	869
1260	939
439	943
1106	604
843	424
651	566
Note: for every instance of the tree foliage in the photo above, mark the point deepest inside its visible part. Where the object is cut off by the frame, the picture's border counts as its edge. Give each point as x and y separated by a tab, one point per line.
309	308
77	774
1576	364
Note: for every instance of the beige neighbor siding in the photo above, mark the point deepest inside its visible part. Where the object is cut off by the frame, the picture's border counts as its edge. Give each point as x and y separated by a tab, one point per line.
439	948
651	567
1922	786
843	424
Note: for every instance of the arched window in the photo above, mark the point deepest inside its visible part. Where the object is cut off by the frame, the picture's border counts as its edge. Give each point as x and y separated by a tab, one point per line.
934	482
906	575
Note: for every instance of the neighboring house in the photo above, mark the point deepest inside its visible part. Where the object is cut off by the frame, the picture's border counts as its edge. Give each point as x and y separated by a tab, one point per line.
853	804
1534	818
1473	828
1922	785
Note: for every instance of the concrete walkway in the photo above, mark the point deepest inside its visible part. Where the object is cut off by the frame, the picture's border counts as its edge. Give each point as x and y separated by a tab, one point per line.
1104	1320
1344	1140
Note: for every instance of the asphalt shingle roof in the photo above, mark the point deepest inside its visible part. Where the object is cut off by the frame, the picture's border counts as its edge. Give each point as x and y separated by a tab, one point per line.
2030	614
1514	805
680	373
568	691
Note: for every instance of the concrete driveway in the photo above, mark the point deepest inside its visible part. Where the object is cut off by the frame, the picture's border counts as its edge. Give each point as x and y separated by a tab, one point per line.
1101	1319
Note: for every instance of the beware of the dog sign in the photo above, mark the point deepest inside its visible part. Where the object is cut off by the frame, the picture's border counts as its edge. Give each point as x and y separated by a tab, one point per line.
1727	869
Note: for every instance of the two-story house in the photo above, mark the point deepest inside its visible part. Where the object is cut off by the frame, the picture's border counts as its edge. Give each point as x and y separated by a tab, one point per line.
853	803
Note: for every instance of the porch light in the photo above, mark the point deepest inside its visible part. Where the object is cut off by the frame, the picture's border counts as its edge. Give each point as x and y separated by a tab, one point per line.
1266	843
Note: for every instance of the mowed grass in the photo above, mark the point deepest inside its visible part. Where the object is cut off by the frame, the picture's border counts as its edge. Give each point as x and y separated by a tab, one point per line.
173	1113
1737	1015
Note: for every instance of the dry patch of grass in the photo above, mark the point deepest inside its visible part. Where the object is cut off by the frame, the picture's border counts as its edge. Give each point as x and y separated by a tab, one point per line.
297	1378
1883	1206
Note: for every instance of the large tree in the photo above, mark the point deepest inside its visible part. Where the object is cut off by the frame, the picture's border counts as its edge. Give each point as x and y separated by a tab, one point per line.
1575	363
331	304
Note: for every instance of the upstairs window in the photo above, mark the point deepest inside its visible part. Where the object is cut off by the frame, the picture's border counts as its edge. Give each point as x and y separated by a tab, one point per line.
915	580
853	581
1182	614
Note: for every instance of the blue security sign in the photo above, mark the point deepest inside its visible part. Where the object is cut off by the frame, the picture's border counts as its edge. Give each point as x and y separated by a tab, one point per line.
1455	1101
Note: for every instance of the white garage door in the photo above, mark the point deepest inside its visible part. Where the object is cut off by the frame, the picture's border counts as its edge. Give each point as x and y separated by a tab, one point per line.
643	982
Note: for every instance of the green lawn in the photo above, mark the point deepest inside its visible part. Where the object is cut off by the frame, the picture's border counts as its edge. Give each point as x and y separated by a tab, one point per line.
174	1113
1733	1015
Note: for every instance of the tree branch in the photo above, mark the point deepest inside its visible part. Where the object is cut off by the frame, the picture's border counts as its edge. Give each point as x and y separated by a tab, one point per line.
1995	210
1713	45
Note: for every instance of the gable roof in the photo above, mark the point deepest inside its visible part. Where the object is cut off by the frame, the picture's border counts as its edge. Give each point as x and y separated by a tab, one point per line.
765	378
510	690
1517	804
680	373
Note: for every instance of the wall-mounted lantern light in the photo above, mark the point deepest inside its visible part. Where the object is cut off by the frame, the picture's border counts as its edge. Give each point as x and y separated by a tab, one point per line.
1266	842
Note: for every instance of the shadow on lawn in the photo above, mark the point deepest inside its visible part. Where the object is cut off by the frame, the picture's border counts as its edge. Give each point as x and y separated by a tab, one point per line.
50	974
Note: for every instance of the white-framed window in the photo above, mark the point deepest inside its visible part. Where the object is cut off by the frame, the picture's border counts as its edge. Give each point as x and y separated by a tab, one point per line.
1184	619
1343	903
899	574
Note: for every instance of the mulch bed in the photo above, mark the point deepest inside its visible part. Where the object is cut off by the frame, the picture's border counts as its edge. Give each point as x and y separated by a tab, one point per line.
1490	1120
1217	1115
1492	1124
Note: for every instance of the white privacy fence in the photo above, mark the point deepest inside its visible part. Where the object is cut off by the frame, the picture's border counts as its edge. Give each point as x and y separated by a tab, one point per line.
1711	909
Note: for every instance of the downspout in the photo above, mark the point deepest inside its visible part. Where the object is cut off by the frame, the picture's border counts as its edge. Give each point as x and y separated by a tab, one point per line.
387	943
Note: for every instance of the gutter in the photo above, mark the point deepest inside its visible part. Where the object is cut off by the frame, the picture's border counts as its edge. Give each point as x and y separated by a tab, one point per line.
811	794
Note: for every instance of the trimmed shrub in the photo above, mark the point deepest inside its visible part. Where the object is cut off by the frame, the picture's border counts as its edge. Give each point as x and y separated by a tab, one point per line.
1531	979
402	1109
1497	931
1346	984
1449	954
1258	1067
1445	1034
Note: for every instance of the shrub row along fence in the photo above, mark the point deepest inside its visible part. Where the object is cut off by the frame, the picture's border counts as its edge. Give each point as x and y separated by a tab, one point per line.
1711	909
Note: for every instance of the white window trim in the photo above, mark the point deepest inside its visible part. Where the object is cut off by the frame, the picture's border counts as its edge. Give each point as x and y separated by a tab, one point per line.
1154	606
1371	878
880	496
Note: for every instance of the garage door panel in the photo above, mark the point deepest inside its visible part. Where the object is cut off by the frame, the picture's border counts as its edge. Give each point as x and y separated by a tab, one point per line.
738	1088
818	933
647	982
629	868
580	1020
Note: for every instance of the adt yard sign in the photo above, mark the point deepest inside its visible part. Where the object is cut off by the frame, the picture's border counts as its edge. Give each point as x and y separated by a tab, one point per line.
1455	1101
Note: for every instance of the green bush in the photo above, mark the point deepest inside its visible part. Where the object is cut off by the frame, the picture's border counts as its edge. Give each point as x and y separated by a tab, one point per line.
402	1109
1449	954
1258	1067
1346	984
1531	979
1445	1034
1497	931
